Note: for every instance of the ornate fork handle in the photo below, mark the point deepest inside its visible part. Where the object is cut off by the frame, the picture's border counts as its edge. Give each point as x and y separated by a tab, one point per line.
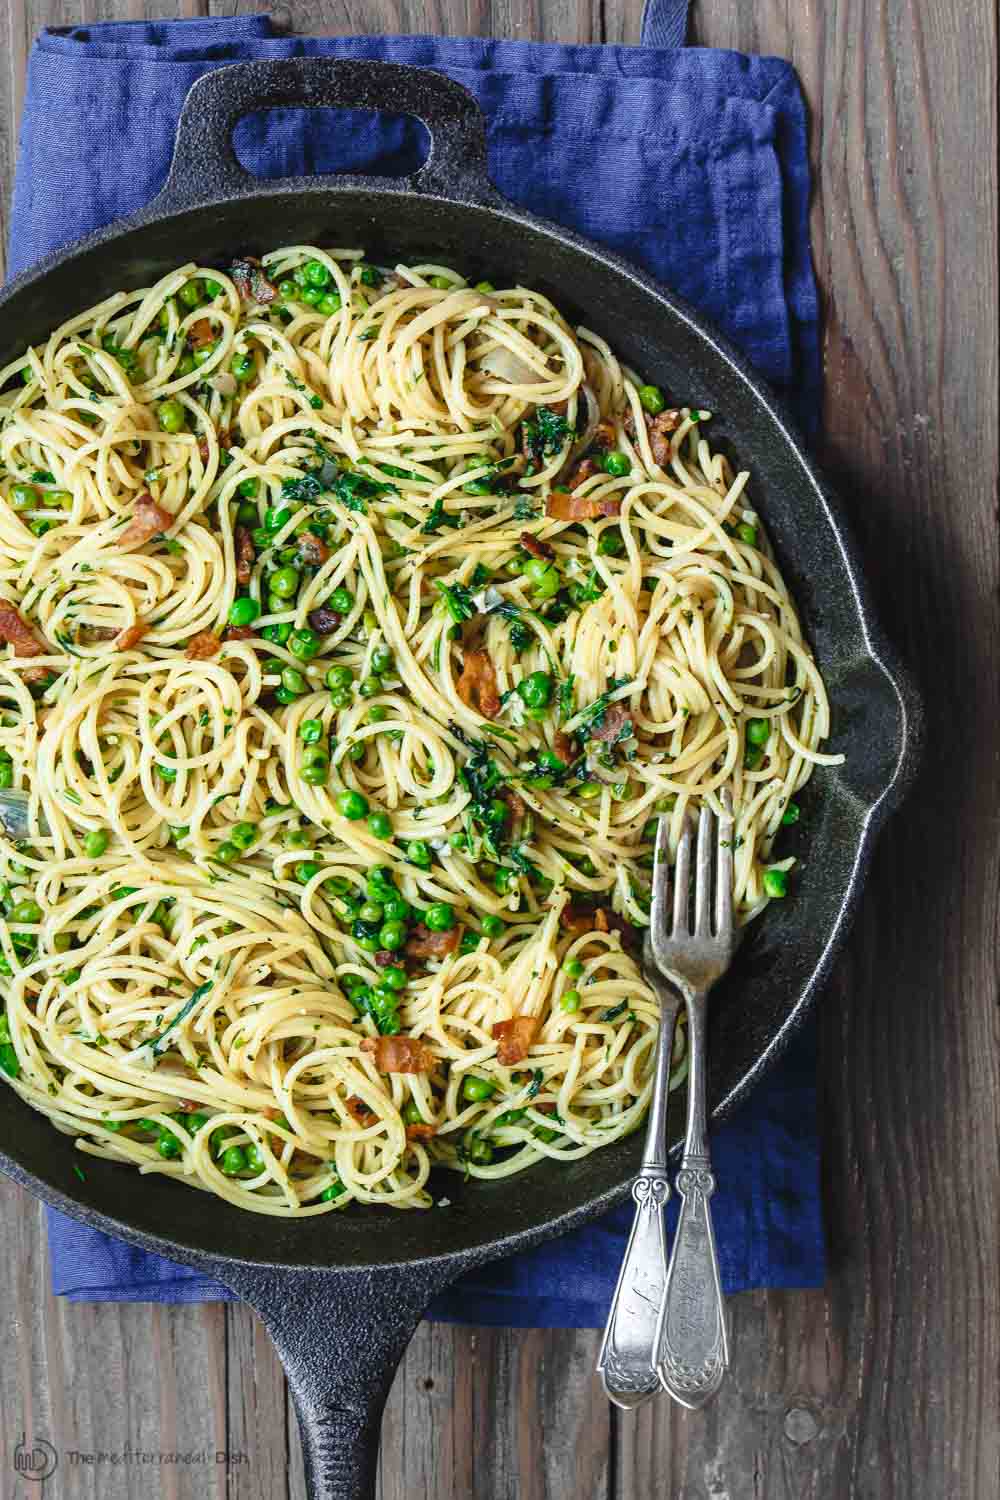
625	1362
692	1347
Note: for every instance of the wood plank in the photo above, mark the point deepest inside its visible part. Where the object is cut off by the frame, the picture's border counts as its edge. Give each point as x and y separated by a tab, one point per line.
886	1384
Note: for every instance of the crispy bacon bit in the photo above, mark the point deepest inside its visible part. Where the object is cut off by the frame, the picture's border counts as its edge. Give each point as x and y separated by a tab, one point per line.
564	747
604	434
225	437
200	334
426	944
420	1132
359	1110
18	634
578	919
561	505
313	550
131	635
245	555
92	633
516	803
324	621
270	1112
384	957
250	281
514	1038
399	1054
240	633
659	429
187	1106
615	719
583	471
203	646
147	519
477	686
536	548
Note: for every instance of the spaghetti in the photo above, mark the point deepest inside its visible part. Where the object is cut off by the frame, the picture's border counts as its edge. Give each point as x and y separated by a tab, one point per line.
362	624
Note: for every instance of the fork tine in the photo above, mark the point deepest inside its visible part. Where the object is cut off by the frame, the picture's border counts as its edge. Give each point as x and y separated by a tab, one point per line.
724	869
682	875
703	873
659	919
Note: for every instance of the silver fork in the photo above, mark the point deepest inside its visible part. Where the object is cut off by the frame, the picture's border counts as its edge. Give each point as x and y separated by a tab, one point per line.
625	1363
692	1347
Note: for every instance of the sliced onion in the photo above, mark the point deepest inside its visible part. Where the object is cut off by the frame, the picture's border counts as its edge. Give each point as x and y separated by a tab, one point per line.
506	365
224	383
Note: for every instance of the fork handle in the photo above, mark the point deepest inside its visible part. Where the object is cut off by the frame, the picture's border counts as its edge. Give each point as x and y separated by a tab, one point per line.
625	1362
692	1346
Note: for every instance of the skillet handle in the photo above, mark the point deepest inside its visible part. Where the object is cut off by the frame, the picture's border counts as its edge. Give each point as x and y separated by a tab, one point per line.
205	168
340	1336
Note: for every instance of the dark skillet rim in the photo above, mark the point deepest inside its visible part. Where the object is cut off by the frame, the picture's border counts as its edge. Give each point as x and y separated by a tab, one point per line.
877	650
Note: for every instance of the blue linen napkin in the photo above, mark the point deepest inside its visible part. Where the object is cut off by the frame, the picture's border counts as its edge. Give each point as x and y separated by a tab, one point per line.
691	162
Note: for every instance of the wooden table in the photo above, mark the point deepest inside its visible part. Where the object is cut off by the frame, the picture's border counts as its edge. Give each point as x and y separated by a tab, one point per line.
886	1384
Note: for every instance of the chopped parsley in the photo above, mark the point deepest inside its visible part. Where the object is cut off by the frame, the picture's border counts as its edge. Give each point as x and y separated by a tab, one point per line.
437	516
458	600
545	435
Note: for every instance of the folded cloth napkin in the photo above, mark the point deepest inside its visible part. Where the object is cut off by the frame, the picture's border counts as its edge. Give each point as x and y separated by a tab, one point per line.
691	162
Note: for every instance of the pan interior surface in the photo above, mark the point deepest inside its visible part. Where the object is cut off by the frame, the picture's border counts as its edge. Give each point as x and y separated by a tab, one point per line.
785	954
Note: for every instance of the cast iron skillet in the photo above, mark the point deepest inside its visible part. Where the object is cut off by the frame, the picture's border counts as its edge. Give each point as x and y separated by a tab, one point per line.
341	1294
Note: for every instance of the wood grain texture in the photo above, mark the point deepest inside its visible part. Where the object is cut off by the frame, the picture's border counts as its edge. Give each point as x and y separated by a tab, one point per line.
886	1384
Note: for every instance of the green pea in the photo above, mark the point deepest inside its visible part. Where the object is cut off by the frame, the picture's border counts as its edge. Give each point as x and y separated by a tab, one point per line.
369	686
246	514
339	677
311	731
204	354
589	790
317	274
652	399
293	681
234	1161
310	295
275	519
396	909
493	927
243	611
284	583
186	364
304	644
485	287
95	843
572	968
758	731
380	824
392	935
502	881
411	1113
377	714
6	774
23	496
242	835
194	1121
352	805
617	464
440	917
40	526
776	883
212	289
611	543
511	1117
371	911
544	1133
226	852
747	533
442	283
315	755
536	689
256	1160
356	753
168	1145
792	813
284	696
60	499
148	1127
341	601
171	416
752	757
71	976
190	294
296	838
328	304
334	1191
287	291
477	1090
340	697
395	977
381	660
306	870
570	1000
418	853
368	944
26	911
242	365
545	578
